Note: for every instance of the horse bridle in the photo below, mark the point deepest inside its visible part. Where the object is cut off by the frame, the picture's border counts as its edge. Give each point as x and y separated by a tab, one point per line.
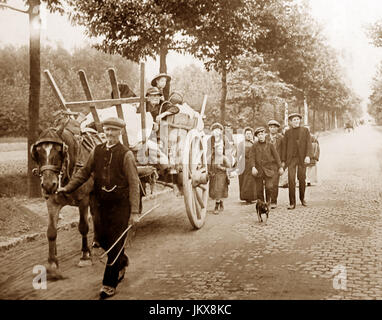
57	169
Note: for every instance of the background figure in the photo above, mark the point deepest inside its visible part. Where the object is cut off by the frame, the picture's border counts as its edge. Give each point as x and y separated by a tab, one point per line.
217	168
265	163
296	154
246	180
276	139
153	96
311	169
162	82
283	182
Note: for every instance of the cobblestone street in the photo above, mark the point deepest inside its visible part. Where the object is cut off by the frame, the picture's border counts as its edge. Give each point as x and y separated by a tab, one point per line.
299	254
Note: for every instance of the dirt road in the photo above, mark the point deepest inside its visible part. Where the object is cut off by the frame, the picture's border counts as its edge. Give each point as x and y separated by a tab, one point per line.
296	255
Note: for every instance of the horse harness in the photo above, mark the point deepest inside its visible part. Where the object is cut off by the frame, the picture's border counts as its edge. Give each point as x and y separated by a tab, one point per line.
64	168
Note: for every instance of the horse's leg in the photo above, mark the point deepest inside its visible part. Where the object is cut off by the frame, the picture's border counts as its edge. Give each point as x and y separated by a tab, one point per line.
53	212
83	227
95	216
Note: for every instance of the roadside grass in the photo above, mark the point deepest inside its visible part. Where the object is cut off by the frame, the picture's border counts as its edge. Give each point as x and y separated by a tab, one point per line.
13	139
13	144
12	185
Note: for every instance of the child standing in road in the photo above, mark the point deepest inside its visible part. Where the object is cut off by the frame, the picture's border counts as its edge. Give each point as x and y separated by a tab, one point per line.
217	168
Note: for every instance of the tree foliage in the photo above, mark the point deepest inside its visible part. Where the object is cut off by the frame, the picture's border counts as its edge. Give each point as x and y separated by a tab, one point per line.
374	31
374	107
14	82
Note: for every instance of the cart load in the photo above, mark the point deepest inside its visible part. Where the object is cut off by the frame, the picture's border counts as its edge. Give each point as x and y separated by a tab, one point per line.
180	144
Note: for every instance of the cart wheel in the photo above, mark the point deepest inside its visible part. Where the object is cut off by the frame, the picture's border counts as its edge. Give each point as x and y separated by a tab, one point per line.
195	177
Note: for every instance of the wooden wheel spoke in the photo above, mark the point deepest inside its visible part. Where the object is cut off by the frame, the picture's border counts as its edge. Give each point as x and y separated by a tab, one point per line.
195	197
196	206
198	198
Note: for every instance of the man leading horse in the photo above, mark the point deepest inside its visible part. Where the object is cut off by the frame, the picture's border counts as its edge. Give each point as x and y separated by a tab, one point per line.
115	196
59	153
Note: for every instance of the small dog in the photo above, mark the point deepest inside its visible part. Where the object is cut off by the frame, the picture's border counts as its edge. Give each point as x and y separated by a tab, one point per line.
262	208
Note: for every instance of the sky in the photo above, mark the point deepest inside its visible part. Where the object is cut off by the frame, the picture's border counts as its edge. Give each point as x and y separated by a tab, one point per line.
343	21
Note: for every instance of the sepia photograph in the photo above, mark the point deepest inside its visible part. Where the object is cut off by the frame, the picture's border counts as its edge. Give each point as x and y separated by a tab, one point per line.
193	154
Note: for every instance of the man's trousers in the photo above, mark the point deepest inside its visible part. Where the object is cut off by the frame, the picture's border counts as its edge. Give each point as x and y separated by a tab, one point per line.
111	217
301	176
262	182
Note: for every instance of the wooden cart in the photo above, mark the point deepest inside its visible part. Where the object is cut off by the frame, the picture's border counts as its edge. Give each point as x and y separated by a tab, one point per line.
187	146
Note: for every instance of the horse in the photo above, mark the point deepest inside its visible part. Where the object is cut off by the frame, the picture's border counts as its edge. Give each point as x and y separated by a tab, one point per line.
59	153
349	125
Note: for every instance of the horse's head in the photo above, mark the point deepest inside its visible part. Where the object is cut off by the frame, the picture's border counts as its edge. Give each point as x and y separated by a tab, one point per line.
49	152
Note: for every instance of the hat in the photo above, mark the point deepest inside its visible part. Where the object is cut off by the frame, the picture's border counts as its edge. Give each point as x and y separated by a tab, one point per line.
291	116
160	76
114	122
248	129
176	97
217	125
153	91
274	123
258	130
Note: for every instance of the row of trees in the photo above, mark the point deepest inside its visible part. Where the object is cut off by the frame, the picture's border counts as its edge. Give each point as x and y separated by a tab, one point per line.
268	99
259	54
294	61
266	52
374	107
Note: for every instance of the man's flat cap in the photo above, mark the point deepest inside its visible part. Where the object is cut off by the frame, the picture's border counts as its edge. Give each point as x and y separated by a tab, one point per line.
274	123
293	115
248	129
258	130
114	122
153	91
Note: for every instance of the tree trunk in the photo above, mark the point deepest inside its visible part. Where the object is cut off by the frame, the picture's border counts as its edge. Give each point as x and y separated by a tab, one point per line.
163	68
306	112
34	188
314	120
328	117
223	95
330	120
334	119
323	121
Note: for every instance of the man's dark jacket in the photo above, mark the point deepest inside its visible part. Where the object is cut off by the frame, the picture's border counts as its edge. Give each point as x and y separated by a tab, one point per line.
304	145
264	157
278	143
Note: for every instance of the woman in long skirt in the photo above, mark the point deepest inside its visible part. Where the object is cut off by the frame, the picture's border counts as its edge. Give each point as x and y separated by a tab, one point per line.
247	184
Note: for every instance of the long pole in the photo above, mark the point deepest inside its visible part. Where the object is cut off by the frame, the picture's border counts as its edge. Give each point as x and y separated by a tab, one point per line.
34	189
